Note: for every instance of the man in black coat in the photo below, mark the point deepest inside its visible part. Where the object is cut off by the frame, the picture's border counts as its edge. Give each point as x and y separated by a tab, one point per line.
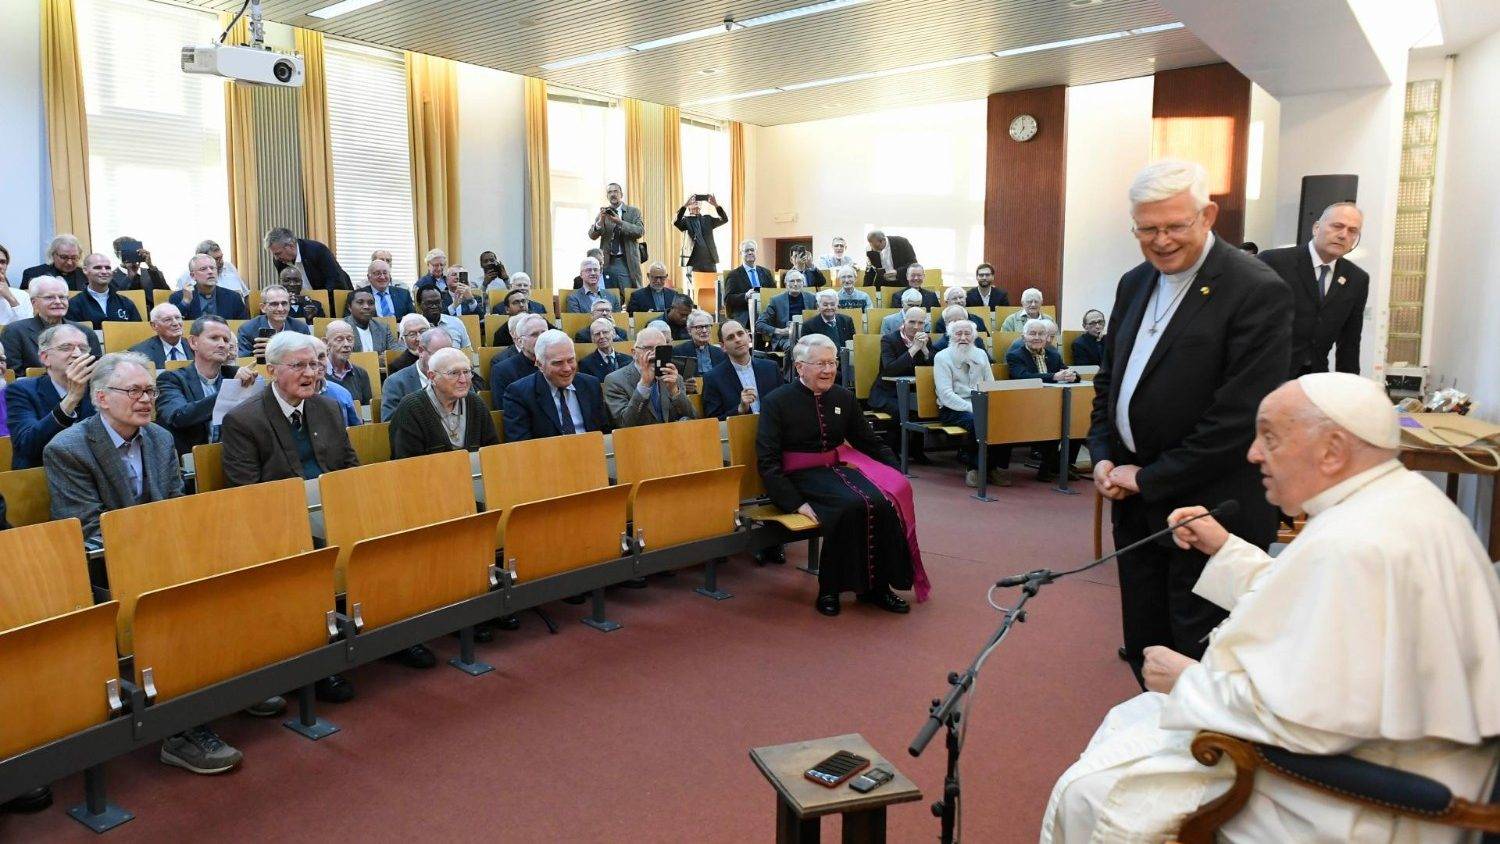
698	232
745	282
1199	333
64	254
888	259
316	260
1328	292
99	302
829	322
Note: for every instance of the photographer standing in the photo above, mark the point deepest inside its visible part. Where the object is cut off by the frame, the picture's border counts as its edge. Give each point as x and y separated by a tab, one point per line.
618	228
136	272
698	248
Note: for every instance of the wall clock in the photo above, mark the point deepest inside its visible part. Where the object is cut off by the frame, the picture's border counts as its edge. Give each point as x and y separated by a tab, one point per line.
1023	128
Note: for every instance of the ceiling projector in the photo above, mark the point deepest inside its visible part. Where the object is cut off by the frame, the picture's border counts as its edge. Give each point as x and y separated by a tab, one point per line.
250	64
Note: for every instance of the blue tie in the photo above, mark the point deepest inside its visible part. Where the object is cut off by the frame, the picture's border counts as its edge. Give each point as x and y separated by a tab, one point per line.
385	304
656	401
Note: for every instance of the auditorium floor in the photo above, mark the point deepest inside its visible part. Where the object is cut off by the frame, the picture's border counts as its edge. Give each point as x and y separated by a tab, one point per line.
642	734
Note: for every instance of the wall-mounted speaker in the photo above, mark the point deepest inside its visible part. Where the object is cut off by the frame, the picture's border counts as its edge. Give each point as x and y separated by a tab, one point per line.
1319	192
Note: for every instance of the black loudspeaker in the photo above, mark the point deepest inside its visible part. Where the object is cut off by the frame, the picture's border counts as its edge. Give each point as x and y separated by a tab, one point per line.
1319	192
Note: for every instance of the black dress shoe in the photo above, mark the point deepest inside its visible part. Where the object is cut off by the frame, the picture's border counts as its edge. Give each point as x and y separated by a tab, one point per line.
575	599
886	600
508	622
34	800
334	689
635	583
828	604
416	656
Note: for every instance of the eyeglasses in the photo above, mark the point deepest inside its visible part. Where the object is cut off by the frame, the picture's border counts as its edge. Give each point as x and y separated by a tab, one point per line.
705	326
54	297
1174	230
67	348
304	366
135	393
457	373
821	364
658	278
1093	322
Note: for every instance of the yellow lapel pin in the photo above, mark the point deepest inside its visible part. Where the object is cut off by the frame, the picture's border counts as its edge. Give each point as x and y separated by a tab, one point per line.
1203	290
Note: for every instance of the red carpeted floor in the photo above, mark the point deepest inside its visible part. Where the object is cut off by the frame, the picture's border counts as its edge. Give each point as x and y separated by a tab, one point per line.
643	734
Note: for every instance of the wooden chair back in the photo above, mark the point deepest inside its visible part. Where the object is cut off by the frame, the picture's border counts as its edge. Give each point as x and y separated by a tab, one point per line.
164	543
1022	411
711	496
27	498
574	323
370	363
192	635
5	454
372	442
43	572
531	470
1001	370
676	448
866	359
171	365
120	336
875	316
53	677
640	319
403	574
472	325
1065	345
927	403
555	535
487	355
208	467
1000	343
742	453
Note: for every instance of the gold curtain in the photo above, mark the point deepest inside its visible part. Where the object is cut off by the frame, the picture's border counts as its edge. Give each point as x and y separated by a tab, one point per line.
736	190
671	155
432	108
635	155
67	121
653	176
312	126
239	155
538	186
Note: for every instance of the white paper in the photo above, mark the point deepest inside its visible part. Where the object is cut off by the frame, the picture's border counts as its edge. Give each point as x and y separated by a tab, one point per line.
232	395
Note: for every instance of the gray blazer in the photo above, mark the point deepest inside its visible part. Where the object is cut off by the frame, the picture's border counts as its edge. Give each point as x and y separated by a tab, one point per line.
627	408
578	302
380	333
405	382
629	231
86	475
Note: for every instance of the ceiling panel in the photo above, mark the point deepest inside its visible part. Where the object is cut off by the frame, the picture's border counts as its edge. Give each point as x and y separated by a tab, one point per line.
521	35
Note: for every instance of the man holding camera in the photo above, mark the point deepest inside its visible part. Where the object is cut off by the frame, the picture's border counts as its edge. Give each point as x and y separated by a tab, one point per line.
136	272
618	228
649	390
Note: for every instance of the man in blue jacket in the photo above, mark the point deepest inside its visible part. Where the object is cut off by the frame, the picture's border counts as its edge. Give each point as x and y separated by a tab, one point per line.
557	399
39	408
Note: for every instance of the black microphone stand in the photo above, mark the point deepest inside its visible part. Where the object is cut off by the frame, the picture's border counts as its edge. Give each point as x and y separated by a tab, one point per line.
945	712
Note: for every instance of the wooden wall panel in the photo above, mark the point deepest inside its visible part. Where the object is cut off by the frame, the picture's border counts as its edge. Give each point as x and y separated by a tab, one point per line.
1203	114
1025	189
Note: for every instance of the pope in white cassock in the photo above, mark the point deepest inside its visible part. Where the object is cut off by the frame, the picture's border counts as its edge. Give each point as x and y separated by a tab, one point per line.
1376	633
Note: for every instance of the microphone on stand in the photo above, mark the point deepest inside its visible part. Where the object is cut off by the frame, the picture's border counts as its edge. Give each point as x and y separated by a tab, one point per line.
1040	576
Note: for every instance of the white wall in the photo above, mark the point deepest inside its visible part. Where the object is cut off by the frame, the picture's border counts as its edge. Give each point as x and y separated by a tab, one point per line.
1264	146
25	203
1109	139
916	172
492	166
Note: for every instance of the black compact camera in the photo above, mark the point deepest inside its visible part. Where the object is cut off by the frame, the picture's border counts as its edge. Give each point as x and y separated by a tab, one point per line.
130	251
463	276
700	197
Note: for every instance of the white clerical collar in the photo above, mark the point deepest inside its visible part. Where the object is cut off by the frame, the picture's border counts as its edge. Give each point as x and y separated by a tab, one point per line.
1347	487
1191	272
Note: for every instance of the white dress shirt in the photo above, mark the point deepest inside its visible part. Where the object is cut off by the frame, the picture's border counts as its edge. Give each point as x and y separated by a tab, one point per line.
747	382
1318	264
229	278
569	406
131	454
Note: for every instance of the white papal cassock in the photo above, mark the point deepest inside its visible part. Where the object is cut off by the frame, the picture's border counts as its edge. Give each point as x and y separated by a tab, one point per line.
1376	632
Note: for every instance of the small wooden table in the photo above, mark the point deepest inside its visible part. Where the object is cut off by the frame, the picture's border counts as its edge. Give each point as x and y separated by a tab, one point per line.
801	803
1442	460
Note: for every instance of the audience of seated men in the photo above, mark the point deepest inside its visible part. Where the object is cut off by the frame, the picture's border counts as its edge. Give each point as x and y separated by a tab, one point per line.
601	309
1036	358
916	274
654	298
985	294
956	372
275	310
892	322
603	333
676	318
115	459
557	399
1031	308
849	296
640	394
205	296
40	407
775	323
699	345
185	405
64	253
339	338
370	334
517	366
953	315
466	297
49	306
802	262
745	282
1088	347
591	291
414	378
100	302
168	343
900	355
299	306
409	331
443	415
313	259
736	387
228	277
430	306
391	300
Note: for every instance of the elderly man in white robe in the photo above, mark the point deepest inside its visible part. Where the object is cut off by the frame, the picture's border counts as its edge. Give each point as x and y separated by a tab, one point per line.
1376	633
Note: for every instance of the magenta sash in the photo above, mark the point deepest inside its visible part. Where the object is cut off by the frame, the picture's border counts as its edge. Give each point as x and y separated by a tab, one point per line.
888	480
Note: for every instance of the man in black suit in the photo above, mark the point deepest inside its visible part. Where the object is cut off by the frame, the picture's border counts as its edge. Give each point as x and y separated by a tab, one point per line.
518	366
185	404
829	322
99	303
602	309
139	274
557	399
1088	347
745	282
391	300
604	359
63	256
888	259
314	259
205	296
168	344
916	274
900	355
654	298
35	409
1199	333
986	294
737	387
49	303
1328	292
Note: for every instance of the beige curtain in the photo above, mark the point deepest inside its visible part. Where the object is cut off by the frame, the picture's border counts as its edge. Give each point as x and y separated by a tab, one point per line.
635	156
432	109
67	121
736	190
538	186
239	155
671	163
653	177
312	125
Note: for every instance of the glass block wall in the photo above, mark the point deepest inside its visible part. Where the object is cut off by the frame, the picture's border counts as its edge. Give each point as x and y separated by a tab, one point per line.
1413	213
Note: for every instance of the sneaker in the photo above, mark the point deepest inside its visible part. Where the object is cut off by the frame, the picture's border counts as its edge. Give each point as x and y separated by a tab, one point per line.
201	751
268	708
971	478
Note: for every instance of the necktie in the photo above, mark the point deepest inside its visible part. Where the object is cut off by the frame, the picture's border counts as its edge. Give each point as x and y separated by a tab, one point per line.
656	405
1322	282
562	413
385	304
296	420
176	353
135	477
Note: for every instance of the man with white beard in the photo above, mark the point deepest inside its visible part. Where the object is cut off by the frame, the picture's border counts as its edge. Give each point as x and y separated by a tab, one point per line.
1375	633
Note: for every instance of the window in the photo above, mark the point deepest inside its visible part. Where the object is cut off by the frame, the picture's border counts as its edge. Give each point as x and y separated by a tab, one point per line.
156	134
586	151
705	169
371	149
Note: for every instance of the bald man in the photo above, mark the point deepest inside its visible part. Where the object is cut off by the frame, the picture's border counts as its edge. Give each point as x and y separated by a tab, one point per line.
1328	291
1373	633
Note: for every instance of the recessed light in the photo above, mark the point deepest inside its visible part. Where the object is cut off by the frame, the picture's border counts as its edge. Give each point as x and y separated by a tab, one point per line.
710	71
1161	27
1057	45
342	8
724	98
604	55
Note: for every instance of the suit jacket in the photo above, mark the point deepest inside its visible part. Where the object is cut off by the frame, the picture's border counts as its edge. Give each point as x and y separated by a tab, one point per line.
626	234
76	279
586	334
151	348
1321	324
779	311
721	388
21	350
33	416
1193	411
384	339
626	407
686	349
403	383
902	256
531	407
149	279
929	298
737	284
504	373
400	301
227	304
998	298
258	444
85	308
594	364
641	300
895	361
183	408
86	475
357	382
1087	351
841	331
704	257
250	330
579	303
1022	365
322	269
416	428
812	276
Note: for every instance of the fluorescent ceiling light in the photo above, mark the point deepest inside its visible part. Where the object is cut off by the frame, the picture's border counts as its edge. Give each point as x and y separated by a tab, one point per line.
682	38
724	98
895	71
343	8
793	14
592	57
1058	45
1161	27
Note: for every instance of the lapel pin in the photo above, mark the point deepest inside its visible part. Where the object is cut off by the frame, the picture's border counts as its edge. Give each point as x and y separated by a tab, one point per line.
838	411
1203	290
1341	279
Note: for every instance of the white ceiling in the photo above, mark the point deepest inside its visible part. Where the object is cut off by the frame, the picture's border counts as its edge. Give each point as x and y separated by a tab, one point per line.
521	35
